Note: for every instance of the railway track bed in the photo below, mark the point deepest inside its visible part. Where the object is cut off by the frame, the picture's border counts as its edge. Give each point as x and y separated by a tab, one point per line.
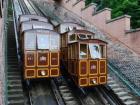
40	93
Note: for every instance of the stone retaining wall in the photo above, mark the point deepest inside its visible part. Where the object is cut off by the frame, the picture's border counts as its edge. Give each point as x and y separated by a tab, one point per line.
102	19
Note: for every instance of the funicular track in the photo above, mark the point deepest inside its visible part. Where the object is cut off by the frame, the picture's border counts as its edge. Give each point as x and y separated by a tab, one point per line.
112	98
24	7
64	94
15	94
38	92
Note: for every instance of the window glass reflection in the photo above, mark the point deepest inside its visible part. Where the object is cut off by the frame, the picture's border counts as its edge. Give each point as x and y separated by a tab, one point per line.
83	51
54	42
30	42
43	41
72	37
82	36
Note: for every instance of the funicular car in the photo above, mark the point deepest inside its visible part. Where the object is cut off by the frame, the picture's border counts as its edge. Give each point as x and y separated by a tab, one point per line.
84	57
40	48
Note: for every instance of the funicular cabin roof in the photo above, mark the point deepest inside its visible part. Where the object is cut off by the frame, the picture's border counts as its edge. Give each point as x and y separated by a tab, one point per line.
76	35
35	24
81	32
40	31
32	17
78	31
66	25
90	41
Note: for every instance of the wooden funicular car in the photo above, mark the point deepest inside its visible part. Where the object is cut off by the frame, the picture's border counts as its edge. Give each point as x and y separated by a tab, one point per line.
84	57
40	48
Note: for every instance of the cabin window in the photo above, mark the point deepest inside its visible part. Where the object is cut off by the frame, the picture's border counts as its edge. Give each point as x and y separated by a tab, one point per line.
95	51
54	42
72	37
69	52
30	42
82	36
90	36
73	51
83	51
43	42
103	51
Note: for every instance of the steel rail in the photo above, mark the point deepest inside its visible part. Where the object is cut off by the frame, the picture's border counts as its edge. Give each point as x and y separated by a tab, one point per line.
62	84
35	9
109	96
23	11
28	5
24	7
29	93
57	94
16	32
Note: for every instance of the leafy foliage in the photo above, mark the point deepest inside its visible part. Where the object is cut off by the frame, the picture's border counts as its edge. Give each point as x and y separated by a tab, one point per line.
121	7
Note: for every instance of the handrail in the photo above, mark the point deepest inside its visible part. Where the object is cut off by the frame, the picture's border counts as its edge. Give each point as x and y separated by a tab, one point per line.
6	2
125	80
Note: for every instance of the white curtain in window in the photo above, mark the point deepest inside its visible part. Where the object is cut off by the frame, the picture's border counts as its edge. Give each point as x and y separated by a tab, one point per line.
95	51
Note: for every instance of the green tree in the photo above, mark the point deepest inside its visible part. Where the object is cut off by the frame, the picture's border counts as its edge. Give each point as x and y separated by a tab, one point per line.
121	7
